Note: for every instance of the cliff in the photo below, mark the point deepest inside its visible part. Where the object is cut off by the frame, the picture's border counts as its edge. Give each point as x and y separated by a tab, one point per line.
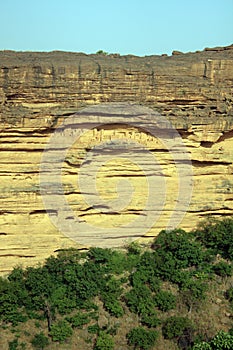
38	91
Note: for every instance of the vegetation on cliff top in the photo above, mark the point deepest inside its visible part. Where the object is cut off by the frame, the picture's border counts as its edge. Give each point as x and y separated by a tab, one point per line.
166	295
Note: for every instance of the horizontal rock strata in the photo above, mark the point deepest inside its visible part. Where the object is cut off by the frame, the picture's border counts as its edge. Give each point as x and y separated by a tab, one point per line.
40	91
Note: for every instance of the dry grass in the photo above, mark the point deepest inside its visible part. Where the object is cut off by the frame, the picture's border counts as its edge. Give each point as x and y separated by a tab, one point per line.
209	316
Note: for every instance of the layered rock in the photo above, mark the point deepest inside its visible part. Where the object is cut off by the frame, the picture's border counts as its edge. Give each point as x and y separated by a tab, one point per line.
38	91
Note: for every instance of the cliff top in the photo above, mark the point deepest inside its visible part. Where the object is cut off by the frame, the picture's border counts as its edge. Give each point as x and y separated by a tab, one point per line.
10	58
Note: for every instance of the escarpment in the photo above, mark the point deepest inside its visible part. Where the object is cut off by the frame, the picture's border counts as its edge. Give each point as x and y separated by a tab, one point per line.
38	91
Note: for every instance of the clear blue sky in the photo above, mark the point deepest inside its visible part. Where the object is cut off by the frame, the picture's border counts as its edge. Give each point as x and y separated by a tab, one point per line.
140	27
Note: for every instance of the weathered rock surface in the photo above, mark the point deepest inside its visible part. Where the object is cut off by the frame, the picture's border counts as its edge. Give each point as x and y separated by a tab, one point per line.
40	90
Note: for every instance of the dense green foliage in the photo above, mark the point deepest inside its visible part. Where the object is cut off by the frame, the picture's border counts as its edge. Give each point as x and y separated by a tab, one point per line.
175	326
104	342
142	338
221	341
60	331
68	290
40	341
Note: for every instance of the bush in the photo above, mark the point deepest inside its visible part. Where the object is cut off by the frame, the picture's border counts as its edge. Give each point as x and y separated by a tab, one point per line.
94	329
139	299
193	292
141	338
61	331
10	304
140	276
100	255
223	269
134	248
175	327
40	341
60	300
13	345
221	341
229	295
101	52
202	346
117	262
78	320
114	308
110	293
217	235
185	251
165	300
150	319
104	342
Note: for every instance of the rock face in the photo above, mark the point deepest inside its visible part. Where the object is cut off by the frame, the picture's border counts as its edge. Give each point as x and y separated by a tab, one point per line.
39	91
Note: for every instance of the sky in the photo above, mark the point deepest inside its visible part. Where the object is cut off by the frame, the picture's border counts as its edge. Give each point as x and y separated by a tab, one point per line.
139	27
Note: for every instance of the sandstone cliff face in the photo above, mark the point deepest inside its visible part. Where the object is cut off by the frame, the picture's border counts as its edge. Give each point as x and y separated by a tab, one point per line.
40	90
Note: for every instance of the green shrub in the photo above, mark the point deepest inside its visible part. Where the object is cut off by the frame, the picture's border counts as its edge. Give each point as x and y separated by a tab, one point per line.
99	255
40	341
94	329
60	331
185	251
221	341
11	308
217	235
140	300
193	292
150	319
60	300
141	338
145	275
165	300
134	248
13	345
117	262
111	287
110	293
104	342
223	269
230	294
101	52
175	327
78	320
202	346
140	277
114	308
